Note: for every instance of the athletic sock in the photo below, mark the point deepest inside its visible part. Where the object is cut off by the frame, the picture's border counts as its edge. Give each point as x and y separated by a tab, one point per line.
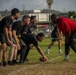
60	51
66	57
47	50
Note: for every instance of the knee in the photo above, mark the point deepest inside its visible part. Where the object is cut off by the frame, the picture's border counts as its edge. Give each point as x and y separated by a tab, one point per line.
52	43
4	46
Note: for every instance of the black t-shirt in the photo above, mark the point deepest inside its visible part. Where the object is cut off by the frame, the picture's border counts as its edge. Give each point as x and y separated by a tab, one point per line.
25	28
17	27
29	39
6	21
32	28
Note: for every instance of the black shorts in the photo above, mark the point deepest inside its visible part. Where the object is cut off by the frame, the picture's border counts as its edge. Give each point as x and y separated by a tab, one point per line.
54	39
2	38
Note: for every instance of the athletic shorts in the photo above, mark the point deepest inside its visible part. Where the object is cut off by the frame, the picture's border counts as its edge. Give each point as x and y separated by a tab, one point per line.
54	39
2	38
22	43
53	36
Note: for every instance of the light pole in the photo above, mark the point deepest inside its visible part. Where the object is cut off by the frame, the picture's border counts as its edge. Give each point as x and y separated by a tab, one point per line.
49	3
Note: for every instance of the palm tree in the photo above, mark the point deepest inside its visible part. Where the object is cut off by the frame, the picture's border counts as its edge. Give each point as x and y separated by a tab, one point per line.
49	3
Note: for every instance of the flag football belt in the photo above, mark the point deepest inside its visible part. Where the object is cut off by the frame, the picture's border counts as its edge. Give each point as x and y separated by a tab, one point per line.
22	43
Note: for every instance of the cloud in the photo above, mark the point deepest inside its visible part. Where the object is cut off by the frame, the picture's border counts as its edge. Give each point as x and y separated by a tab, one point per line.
66	5
37	4
7	4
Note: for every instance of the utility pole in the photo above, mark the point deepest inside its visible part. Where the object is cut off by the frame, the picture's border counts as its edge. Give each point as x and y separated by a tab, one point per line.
49	3
23	7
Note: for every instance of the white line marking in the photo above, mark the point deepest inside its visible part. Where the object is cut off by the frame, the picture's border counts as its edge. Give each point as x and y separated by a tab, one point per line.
55	58
32	66
22	69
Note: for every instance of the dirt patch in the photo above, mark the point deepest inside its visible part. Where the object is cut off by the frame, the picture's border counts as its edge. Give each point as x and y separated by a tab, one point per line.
65	68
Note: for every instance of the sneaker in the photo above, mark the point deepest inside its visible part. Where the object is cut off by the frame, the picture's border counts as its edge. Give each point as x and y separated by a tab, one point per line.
66	60
60	51
46	52
10	63
21	62
15	62
5	64
26	60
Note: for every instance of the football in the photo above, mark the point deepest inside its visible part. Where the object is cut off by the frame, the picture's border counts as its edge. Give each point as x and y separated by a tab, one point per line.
42	59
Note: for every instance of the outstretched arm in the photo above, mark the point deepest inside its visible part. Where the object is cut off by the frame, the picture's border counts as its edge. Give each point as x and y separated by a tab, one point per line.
40	51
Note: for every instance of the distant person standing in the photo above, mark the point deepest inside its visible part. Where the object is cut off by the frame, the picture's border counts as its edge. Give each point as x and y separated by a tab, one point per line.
6	34
56	36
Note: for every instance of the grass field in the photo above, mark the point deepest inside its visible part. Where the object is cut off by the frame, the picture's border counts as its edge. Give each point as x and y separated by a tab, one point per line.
55	65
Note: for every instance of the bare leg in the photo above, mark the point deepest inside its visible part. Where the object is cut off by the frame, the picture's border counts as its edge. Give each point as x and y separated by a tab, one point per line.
50	45
4	51
59	45
15	53
11	53
1	53
3	56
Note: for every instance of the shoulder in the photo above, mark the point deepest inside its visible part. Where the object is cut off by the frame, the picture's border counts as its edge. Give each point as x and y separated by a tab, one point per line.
30	35
17	22
62	19
9	18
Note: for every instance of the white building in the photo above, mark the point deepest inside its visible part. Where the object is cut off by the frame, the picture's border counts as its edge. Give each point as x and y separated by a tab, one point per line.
41	16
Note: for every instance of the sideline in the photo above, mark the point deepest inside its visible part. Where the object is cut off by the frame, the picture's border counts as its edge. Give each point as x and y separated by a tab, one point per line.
24	68
32	66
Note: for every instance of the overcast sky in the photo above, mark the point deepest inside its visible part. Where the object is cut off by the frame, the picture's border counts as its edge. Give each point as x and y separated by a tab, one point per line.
61	5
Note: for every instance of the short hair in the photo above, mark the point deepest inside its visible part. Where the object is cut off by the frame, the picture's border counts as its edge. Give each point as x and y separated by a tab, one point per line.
14	11
32	17
53	16
25	17
40	34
